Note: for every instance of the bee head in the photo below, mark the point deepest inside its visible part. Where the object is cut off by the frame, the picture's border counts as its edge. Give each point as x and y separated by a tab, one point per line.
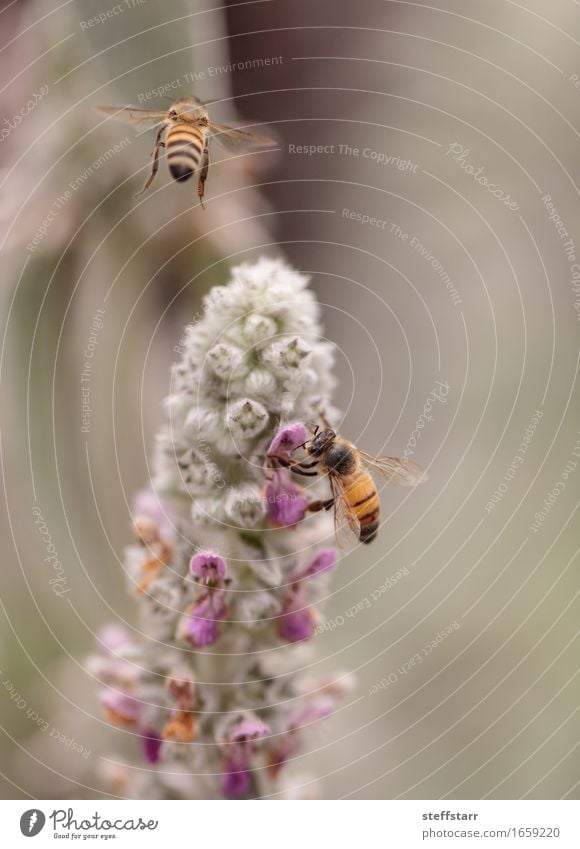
321	442
187	109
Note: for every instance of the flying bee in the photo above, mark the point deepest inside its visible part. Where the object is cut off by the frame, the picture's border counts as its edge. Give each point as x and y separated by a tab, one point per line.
355	499
187	129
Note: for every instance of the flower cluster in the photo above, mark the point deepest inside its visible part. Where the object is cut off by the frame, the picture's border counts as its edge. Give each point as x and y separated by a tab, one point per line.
228	564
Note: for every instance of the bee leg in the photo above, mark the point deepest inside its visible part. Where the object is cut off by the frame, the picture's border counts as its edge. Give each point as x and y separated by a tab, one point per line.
158	144
299	471
315	506
292	464
284	461
297	467
203	176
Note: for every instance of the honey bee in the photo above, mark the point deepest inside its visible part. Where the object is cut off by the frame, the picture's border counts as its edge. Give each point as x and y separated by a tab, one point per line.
355	499
188	129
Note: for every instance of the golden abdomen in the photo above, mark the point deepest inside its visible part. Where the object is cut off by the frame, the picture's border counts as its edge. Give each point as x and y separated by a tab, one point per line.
185	145
363	499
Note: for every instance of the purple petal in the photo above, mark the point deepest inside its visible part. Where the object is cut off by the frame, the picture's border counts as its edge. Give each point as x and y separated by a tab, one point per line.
209	566
296	624
235	781
318	709
151	744
121	705
202	625
288	438
201	632
324	560
285	500
248	729
146	503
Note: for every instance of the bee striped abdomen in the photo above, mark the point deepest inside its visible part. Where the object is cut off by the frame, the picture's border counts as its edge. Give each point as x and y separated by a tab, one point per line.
185	145
364	500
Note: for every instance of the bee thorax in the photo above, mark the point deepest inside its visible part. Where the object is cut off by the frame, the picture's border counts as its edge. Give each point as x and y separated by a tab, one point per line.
340	460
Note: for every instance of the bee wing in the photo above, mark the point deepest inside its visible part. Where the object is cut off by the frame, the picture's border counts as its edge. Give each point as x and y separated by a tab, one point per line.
397	470
138	117
233	139
346	524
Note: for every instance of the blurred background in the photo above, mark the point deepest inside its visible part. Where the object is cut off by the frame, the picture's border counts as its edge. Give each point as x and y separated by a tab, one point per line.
427	178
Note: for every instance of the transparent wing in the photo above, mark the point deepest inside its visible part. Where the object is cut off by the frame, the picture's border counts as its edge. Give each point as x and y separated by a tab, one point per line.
138	117
233	139
397	470
346	524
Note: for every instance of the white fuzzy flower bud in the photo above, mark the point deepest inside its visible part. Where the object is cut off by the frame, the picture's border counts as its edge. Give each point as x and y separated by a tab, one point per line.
286	356
223	359
258	327
208	511
246	418
309	379
245	506
201	421
260	383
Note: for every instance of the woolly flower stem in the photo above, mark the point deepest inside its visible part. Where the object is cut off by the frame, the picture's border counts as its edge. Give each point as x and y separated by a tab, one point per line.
226	566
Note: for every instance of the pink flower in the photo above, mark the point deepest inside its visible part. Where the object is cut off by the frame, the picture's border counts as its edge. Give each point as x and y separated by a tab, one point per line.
323	562
235	780
288	438
121	708
296	622
209	566
247	730
202	625
240	744
146	503
151	745
285	500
